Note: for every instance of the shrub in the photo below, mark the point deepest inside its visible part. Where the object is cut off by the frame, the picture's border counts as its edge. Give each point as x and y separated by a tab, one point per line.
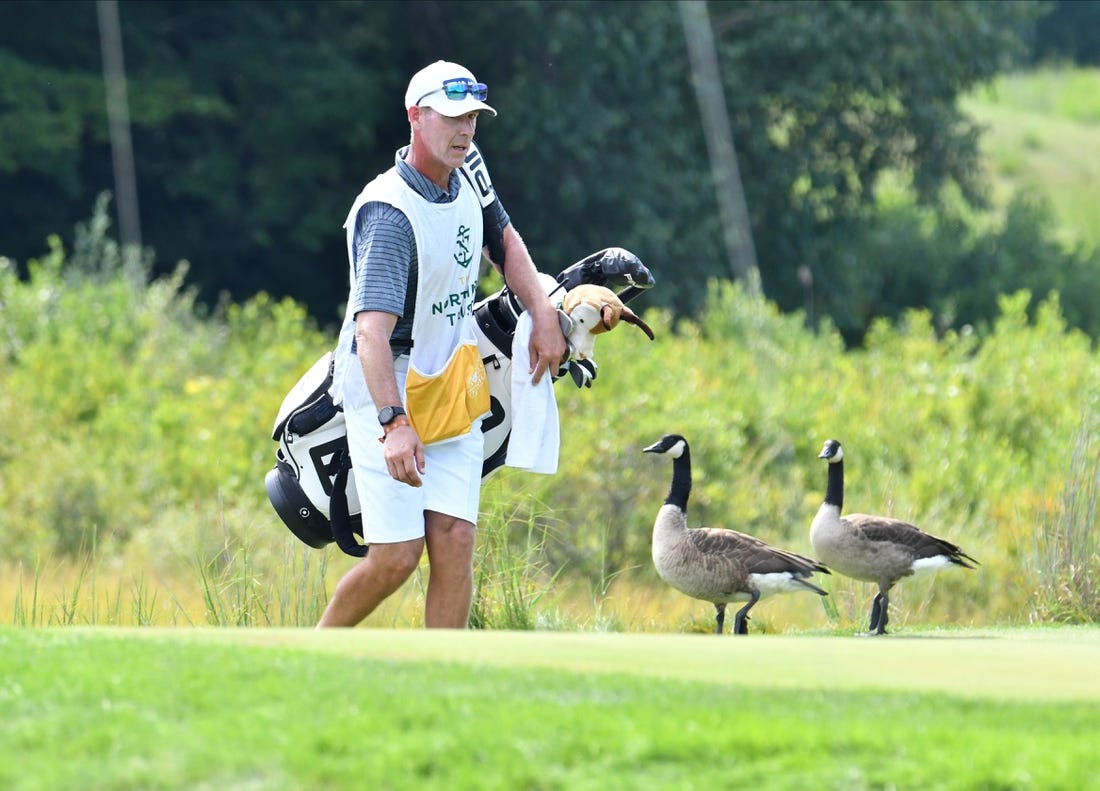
144	421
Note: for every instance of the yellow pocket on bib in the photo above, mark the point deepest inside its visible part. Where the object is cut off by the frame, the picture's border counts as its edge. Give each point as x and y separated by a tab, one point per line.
445	404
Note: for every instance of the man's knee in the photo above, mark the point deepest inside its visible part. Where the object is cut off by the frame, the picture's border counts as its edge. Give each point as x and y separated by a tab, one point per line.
462	537
398	561
455	537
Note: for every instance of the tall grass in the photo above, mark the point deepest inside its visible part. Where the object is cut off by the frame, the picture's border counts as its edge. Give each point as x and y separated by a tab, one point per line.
242	584
1065	554
238	591
67	603
511	575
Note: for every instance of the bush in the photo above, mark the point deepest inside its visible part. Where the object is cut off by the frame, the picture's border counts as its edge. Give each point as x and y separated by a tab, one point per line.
130	402
953	262
140	424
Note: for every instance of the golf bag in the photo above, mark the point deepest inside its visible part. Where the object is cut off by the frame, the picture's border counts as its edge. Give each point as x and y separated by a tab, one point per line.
312	486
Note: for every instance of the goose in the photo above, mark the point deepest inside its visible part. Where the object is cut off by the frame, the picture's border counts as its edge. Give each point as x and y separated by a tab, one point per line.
874	548
716	565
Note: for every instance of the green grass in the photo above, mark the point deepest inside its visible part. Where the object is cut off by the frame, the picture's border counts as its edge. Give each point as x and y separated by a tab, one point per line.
1043	135
291	709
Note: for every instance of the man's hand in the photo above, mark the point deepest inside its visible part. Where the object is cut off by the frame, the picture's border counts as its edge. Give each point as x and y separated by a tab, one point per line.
547	347
404	454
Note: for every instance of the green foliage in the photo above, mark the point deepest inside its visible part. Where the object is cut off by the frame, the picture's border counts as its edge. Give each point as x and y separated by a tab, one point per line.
954	262
1068	33
255	124
143	431
1042	139
132	404
962	434
825	101
250	123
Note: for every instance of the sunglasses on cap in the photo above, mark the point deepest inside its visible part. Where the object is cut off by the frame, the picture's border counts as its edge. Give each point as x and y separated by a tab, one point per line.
458	89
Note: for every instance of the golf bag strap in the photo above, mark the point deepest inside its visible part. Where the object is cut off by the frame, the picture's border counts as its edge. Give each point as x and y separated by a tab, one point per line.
497	322
338	508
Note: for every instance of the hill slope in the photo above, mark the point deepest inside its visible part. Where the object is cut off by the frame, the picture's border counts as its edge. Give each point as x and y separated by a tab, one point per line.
1043	134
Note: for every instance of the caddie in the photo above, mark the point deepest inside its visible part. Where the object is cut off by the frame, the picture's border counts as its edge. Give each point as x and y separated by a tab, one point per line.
407	371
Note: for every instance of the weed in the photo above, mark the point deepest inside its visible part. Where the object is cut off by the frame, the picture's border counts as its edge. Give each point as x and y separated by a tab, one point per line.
1065	562
143	603
20	615
510	578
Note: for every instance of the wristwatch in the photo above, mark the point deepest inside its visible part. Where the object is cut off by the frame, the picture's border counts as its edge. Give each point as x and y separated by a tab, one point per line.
387	414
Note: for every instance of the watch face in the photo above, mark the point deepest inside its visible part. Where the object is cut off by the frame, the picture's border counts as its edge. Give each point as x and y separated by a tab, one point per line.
388	413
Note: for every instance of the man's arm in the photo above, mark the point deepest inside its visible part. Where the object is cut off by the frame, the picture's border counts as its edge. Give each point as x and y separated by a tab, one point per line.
404	451
547	347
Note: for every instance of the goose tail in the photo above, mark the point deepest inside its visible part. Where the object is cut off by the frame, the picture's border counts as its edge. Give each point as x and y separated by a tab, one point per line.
960	558
805	582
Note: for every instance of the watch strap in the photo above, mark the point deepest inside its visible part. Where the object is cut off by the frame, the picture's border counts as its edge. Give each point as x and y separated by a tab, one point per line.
387	414
397	422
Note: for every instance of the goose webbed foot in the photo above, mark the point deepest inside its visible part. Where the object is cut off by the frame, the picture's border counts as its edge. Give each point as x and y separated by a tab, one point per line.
741	622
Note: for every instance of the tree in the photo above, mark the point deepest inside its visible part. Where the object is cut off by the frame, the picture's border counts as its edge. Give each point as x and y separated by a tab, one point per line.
250	123
1069	32
826	98
256	124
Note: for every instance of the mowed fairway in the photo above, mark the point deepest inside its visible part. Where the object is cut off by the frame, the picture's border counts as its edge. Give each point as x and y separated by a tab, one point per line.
277	708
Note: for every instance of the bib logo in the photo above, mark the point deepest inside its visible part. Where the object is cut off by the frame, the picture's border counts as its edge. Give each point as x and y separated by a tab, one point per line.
475	382
463	254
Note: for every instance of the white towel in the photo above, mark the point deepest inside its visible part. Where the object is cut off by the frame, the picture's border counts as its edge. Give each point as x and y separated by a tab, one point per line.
535	440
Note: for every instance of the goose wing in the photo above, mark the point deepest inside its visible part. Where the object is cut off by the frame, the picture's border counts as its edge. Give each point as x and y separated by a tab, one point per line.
750	552
895	531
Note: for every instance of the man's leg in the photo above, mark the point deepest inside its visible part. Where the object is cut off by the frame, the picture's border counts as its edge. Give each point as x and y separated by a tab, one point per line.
450	592
370	581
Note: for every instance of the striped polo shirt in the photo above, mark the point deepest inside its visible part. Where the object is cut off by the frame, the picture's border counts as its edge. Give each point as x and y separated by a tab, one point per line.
385	263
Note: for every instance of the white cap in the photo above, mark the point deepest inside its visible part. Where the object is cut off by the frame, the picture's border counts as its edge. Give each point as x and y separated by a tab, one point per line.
426	90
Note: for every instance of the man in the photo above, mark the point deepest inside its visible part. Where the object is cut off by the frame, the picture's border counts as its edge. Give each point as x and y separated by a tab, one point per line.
415	235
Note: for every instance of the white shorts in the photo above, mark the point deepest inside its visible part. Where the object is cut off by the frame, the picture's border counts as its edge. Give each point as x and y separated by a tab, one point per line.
393	511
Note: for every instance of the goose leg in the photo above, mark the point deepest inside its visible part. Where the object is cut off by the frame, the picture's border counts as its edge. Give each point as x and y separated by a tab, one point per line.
884	605
876	612
740	625
720	616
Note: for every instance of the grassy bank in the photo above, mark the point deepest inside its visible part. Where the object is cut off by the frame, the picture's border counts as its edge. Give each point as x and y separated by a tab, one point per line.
1042	133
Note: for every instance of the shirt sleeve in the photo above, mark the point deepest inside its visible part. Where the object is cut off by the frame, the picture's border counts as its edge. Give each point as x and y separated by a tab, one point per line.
385	258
